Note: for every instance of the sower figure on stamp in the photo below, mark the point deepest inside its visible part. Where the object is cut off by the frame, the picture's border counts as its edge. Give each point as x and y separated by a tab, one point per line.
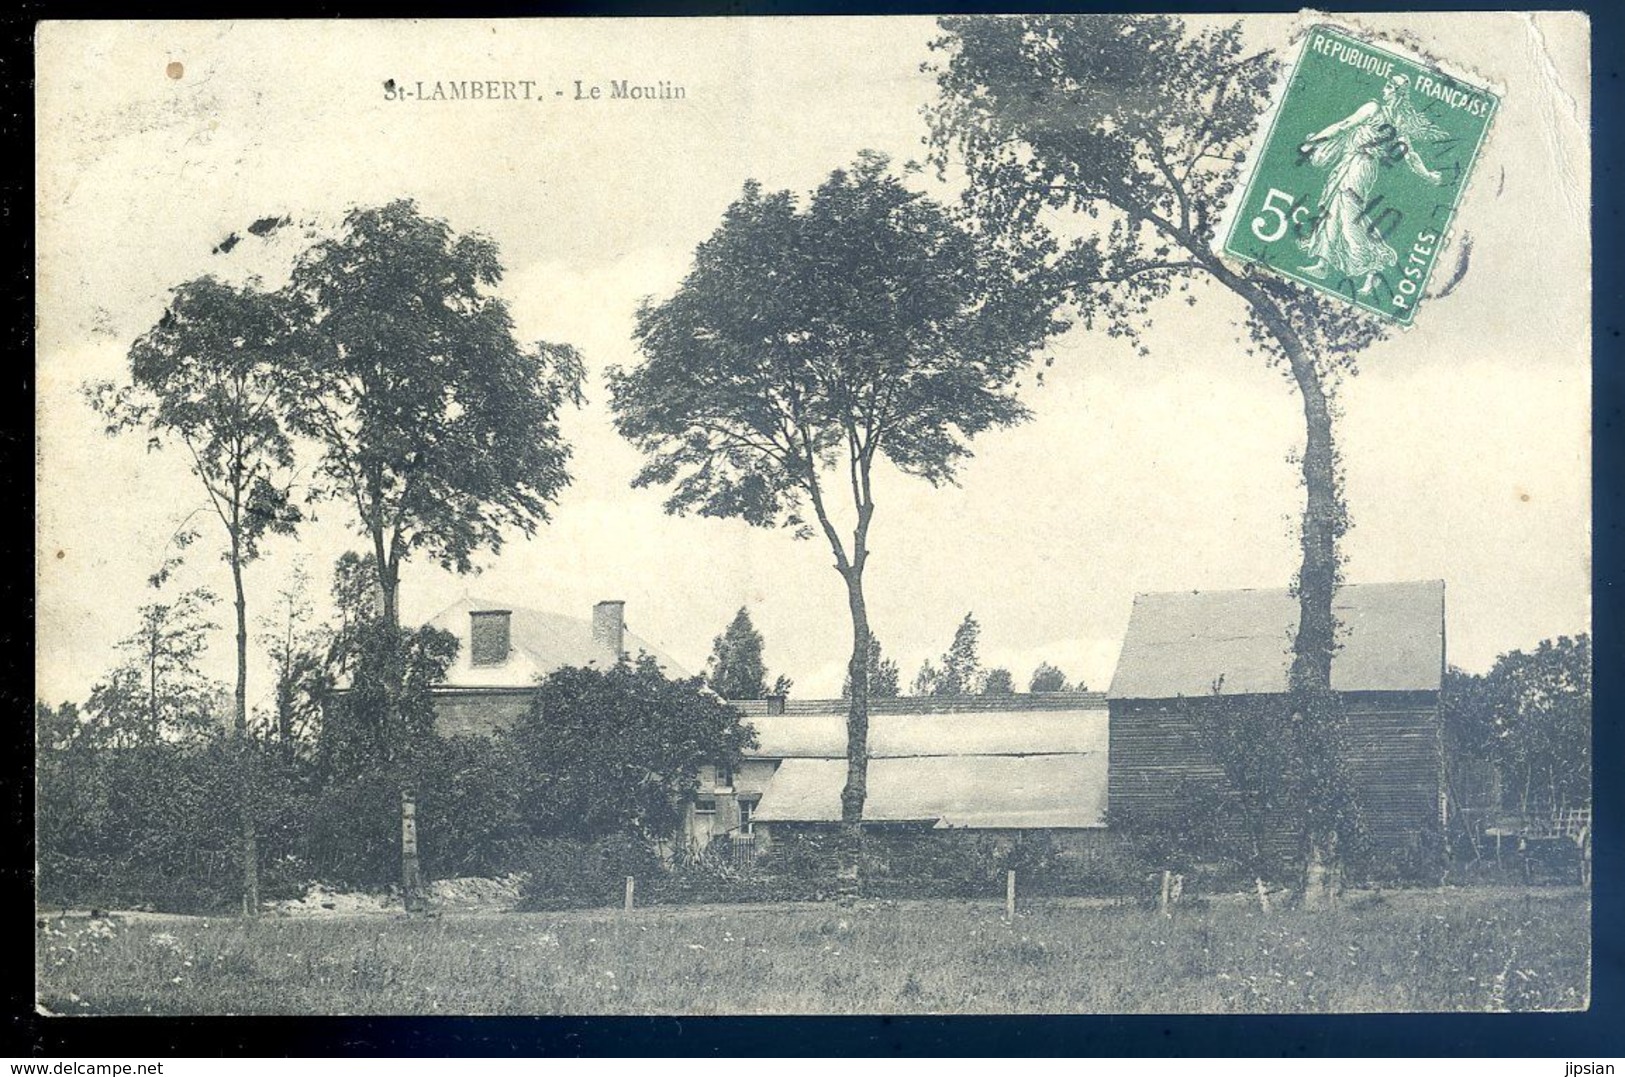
1355	149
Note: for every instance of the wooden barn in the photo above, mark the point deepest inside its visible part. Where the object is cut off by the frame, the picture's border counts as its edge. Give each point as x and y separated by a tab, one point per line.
1183	646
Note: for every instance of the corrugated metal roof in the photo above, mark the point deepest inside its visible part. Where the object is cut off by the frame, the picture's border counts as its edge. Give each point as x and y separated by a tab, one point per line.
540	642
812	736
1018	701
980	791
1182	643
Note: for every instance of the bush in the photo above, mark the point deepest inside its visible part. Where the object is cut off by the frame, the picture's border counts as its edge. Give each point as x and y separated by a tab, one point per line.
158	826
352	833
565	873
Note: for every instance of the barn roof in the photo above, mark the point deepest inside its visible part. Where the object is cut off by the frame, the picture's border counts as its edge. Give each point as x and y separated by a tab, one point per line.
988	766
984	792
1183	643
990	732
540	643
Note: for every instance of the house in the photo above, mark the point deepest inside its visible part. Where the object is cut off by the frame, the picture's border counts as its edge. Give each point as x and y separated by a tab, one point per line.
989	765
1388	668
506	650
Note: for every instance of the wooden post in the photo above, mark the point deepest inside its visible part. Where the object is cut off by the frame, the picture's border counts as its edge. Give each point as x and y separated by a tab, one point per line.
1010	896
411	881
1167	885
631	885
1263	896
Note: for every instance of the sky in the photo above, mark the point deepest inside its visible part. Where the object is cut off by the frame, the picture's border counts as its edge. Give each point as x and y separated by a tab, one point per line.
1465	439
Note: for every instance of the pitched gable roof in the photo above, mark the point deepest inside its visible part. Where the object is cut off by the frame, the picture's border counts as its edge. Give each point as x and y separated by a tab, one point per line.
1183	643
540	642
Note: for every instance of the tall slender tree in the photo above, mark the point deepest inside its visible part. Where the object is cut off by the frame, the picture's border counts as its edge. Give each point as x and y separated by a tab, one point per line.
808	342
437	426
1106	146
211	376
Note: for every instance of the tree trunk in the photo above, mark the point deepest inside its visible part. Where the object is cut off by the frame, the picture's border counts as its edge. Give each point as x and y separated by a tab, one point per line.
389	581
245	755
1316	711
1309	691
856	789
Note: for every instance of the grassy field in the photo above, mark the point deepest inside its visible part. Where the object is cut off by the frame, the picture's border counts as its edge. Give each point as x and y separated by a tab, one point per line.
1481	949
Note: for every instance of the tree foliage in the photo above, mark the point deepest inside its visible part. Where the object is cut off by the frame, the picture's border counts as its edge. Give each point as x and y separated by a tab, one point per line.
1048	678
1531	717
619	751
883	674
384	717
998	682
300	654
810	340
960	670
1137	126
159	692
437	427
865	324
211	375
737	668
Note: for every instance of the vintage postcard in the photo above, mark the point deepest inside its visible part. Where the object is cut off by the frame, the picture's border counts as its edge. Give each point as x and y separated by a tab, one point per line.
1034	514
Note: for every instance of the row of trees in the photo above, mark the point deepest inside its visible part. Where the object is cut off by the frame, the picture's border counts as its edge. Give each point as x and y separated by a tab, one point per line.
387	376
1528	718
960	671
810	340
738	670
139	806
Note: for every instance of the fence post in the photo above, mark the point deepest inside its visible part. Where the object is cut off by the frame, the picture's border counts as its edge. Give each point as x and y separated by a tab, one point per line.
631	885
411	879
1010	896
1167	885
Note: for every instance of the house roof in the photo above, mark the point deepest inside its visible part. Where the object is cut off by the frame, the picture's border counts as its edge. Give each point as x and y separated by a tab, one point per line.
986	768
540	642
1184	643
975	791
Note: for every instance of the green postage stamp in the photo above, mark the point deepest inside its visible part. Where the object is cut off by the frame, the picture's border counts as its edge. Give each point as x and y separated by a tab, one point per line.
1359	175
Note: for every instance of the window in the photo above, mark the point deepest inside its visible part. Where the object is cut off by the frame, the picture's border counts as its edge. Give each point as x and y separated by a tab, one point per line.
705	806
747	809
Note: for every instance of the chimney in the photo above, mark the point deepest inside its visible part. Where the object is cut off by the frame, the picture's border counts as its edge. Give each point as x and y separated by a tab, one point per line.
489	638
609	627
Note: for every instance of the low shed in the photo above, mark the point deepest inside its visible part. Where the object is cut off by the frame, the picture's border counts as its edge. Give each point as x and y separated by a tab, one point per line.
1389	667
987	764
